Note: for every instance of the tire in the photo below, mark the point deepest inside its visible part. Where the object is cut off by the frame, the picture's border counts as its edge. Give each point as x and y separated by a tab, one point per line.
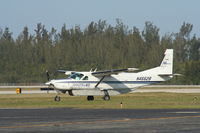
57	99
90	98
106	98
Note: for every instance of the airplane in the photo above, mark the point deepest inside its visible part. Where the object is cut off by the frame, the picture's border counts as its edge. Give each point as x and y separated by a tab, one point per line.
111	82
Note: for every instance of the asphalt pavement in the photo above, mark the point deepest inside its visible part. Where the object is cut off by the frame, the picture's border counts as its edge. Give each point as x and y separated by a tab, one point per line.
100	120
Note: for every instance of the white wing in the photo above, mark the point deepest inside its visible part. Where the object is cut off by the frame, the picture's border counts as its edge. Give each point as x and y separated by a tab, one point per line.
113	71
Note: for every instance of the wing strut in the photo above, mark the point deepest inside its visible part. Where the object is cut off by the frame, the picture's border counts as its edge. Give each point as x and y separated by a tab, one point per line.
100	81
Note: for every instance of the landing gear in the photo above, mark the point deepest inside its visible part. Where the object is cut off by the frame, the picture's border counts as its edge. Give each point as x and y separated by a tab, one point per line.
90	98
106	96
57	98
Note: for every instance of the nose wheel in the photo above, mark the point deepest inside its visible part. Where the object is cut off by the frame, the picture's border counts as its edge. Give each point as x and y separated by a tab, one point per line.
57	98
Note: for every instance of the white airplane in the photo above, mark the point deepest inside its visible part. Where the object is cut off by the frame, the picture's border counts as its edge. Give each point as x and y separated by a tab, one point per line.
112	82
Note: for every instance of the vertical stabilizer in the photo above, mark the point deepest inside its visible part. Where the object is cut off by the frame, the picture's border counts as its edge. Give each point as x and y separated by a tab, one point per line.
166	67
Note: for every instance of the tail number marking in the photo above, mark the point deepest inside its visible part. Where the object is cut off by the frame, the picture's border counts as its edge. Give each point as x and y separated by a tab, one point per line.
143	78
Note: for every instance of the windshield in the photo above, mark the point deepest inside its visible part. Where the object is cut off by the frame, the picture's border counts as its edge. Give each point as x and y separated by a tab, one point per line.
76	76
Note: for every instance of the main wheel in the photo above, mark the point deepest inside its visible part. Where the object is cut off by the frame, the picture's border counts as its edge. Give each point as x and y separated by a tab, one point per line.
106	97
90	98
57	99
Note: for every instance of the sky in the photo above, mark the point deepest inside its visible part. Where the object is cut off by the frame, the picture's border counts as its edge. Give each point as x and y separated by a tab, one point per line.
167	15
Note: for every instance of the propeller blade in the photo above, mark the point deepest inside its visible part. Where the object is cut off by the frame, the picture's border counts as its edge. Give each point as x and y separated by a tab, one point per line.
48	76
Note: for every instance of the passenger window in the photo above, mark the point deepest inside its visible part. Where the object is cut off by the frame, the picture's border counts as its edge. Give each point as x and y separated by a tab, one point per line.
85	78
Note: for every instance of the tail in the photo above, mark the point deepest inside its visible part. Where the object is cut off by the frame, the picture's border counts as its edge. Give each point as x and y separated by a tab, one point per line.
166	66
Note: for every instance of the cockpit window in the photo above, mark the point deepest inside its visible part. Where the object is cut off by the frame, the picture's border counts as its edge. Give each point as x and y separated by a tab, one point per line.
76	76
85	78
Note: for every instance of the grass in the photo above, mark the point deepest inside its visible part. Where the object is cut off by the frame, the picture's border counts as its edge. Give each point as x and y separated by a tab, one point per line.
130	101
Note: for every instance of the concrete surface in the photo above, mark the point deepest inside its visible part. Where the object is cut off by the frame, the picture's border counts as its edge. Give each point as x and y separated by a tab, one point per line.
137	90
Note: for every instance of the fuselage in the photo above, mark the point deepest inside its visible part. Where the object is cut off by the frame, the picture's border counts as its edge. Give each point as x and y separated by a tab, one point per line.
115	81
121	83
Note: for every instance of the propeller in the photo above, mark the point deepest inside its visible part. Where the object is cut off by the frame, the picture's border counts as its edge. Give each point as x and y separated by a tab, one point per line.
47	74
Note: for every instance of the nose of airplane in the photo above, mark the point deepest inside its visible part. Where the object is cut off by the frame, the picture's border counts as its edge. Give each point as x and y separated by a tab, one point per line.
48	83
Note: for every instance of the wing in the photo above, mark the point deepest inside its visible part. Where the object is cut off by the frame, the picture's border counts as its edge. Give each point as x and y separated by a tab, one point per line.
113	71
66	72
105	73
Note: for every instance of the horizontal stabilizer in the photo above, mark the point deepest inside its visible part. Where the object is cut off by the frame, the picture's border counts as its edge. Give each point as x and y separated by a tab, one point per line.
175	74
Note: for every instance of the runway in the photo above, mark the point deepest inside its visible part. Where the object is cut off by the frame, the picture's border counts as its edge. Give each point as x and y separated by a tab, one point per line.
138	90
100	120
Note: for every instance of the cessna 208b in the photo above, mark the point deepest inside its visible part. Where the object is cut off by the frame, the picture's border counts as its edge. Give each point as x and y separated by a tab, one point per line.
112	82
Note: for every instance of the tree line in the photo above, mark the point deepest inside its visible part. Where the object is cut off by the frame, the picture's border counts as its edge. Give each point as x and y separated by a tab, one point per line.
26	57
